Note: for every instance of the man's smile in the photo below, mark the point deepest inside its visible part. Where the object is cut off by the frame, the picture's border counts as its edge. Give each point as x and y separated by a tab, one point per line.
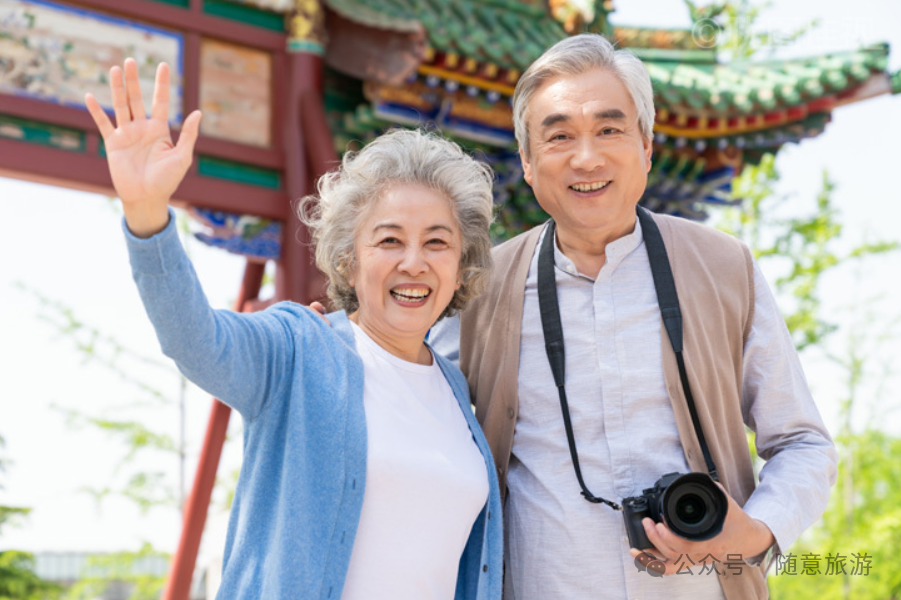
589	187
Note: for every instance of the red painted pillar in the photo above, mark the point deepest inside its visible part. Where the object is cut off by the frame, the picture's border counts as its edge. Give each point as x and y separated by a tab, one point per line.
296	276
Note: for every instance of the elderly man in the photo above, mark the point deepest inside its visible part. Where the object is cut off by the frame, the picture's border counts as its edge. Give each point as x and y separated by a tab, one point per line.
583	116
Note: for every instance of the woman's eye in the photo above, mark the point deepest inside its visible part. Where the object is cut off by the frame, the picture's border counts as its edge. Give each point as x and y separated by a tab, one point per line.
437	242
389	241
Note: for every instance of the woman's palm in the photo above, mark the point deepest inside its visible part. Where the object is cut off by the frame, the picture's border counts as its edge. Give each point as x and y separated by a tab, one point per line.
145	166
143	161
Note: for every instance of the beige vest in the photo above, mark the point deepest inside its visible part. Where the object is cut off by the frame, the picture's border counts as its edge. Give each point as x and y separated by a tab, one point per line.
715	281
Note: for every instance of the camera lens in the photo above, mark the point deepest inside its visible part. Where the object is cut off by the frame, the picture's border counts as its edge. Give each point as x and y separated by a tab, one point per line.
690	508
693	506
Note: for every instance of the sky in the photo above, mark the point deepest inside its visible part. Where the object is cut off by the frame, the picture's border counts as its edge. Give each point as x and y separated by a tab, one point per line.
67	247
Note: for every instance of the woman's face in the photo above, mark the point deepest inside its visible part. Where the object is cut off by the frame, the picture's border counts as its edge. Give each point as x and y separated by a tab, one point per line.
408	250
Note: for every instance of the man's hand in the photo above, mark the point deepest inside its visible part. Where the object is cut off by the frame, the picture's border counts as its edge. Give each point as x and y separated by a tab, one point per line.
146	167
318	308
741	535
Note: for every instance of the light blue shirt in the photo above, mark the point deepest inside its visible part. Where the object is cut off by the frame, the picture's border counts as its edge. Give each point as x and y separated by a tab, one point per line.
298	384
560	546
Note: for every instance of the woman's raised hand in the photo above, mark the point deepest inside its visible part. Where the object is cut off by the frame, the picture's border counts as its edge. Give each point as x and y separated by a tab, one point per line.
145	165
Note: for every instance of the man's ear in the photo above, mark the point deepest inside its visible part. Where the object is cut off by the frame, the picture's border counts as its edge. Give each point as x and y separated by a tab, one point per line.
648	151
526	166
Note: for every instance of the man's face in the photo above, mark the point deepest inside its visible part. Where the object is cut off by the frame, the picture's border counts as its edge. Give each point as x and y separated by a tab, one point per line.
588	161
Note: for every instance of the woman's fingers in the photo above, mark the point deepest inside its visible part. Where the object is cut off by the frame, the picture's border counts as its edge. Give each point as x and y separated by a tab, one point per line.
133	90
189	132
160	108
120	98
128	105
104	125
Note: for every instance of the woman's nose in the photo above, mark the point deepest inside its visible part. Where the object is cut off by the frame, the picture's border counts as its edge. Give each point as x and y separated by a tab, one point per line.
413	262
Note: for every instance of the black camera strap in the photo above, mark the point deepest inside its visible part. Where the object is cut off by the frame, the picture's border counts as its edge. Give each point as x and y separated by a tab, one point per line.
667	300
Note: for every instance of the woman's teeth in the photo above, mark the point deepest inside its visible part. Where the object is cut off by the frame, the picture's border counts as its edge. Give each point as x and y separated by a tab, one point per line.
410	295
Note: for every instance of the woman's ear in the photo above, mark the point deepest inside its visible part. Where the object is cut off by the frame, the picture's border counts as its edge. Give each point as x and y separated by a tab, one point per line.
345	268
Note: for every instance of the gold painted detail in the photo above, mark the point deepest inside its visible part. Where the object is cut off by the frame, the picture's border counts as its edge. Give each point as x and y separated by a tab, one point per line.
412	95
419	96
706	132
498	115
306	30
466	79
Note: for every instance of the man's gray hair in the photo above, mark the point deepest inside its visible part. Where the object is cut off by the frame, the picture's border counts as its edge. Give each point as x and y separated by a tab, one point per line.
400	156
574	56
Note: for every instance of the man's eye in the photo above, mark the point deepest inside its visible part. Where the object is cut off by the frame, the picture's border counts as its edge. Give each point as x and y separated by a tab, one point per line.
558	137
609	131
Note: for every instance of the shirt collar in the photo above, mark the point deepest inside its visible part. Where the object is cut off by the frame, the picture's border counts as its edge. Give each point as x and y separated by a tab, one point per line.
616	251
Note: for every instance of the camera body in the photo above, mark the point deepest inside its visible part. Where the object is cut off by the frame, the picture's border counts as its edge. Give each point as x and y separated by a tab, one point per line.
690	504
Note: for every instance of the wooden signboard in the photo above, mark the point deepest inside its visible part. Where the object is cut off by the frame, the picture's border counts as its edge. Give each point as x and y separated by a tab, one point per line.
57	53
53	53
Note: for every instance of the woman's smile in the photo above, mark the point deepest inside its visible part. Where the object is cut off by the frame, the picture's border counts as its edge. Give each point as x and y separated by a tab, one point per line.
412	295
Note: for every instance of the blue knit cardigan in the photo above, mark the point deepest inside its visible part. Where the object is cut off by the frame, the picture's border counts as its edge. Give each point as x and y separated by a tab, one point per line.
298	384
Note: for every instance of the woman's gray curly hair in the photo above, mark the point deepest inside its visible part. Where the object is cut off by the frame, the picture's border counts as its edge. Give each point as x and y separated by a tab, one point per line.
400	156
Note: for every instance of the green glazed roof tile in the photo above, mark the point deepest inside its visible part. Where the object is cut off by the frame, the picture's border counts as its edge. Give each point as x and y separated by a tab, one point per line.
741	87
834	80
385	15
512	34
673	56
859	71
809	80
507	33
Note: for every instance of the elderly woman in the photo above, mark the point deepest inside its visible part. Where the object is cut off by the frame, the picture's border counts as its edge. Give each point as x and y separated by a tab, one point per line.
365	474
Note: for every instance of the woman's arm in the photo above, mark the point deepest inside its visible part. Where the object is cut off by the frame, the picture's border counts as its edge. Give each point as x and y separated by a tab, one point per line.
241	359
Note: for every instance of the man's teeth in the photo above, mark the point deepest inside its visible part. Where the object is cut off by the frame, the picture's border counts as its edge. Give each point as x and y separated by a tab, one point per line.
589	187
410	295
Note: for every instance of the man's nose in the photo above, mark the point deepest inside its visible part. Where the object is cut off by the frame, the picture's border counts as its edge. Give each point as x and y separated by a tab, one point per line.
588	154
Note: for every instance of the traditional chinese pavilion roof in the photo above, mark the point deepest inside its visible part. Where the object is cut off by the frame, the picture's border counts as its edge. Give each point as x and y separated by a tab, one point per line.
712	117
506	34
453	65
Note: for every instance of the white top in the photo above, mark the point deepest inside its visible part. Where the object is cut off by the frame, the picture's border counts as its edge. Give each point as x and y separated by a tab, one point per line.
426	482
560	546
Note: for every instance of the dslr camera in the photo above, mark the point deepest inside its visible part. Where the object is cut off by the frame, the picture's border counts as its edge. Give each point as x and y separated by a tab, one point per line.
690	504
